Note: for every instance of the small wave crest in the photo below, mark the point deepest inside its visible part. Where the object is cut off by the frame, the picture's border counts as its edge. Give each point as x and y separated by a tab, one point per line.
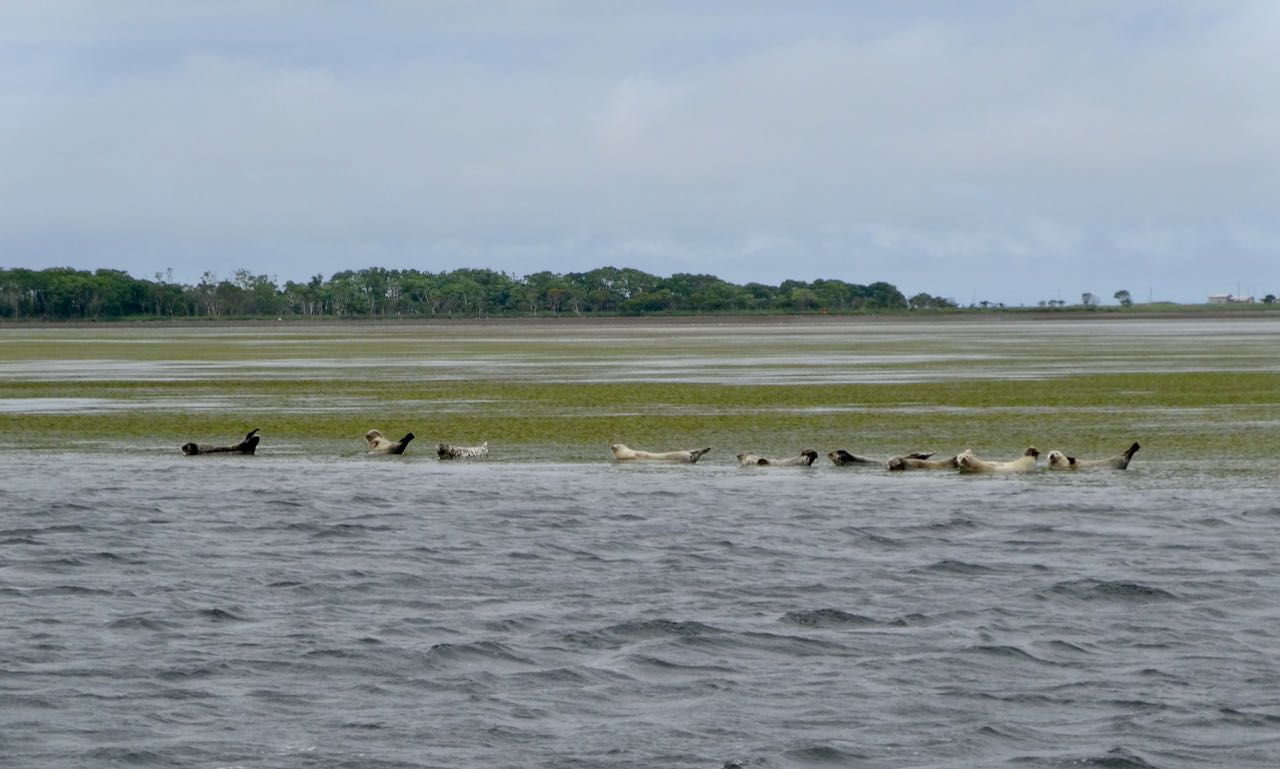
821	618
1111	590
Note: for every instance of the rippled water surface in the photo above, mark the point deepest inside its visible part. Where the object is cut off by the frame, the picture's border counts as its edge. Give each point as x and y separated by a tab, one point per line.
355	612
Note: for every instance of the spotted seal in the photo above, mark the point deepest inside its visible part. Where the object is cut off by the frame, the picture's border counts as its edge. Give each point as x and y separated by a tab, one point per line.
1060	461
750	458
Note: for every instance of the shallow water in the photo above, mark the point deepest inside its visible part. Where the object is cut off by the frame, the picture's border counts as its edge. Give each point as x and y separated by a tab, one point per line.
289	612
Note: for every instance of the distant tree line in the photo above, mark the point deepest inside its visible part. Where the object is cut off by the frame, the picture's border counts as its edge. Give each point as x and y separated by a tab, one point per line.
68	294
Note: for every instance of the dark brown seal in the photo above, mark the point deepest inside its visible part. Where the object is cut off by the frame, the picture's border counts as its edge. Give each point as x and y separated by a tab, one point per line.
246	446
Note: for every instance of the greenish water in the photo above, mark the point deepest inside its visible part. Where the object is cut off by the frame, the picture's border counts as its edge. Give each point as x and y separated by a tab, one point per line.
564	390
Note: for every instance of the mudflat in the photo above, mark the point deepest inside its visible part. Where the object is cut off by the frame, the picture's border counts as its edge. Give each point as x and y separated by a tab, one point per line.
565	389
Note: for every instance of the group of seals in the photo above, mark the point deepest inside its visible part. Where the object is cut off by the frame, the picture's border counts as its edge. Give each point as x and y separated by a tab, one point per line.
965	462
378	444
1057	461
842	458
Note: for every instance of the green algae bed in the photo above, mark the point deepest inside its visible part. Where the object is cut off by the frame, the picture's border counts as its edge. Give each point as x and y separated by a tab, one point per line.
563	390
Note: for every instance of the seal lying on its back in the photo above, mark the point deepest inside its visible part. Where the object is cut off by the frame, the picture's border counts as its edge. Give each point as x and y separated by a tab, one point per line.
805	458
842	458
246	446
1060	461
449	451
381	445
969	463
623	453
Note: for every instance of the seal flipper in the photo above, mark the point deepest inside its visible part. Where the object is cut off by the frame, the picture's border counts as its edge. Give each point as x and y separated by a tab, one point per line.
401	444
1123	464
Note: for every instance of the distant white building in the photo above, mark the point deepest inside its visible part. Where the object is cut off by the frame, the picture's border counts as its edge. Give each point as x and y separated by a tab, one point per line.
1229	299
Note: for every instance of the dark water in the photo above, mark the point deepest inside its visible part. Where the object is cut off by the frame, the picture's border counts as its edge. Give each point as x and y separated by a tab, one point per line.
162	611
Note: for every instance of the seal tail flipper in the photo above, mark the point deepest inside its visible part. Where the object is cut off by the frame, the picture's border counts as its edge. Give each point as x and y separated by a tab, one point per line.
1123	464
250	442
402	443
694	456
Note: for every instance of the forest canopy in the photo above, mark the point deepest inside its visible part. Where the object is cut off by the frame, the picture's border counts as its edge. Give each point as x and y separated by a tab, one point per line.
69	294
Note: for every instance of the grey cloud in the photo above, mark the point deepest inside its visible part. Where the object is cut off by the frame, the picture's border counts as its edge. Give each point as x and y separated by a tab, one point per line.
738	139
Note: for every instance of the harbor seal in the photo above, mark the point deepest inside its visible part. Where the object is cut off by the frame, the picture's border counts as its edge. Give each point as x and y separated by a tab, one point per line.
968	463
923	462
623	453
246	446
1060	461
805	458
380	445
842	458
449	451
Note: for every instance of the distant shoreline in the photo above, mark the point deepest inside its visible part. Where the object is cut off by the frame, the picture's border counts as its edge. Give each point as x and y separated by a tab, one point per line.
1002	314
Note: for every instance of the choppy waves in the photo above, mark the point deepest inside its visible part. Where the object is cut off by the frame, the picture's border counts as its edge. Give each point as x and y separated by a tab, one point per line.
257	612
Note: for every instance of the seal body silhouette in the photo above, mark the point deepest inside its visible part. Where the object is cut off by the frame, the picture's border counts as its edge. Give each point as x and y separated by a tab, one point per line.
624	453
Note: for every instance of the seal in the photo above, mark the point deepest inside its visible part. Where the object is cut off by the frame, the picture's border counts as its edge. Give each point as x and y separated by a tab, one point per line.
842	458
750	458
381	445
968	463
246	446
1060	461
449	451
923	462
623	453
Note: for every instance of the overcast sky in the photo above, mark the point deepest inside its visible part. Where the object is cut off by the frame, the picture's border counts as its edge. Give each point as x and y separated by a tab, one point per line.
1009	151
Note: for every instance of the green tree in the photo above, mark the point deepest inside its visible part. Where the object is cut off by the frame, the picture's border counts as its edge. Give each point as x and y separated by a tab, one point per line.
759	296
21	293
837	296
885	296
923	301
1122	296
